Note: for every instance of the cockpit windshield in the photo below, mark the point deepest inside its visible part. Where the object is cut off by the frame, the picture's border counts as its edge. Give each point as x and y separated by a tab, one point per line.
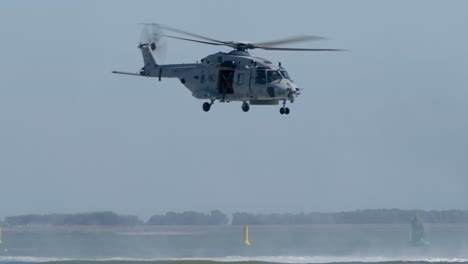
273	76
285	74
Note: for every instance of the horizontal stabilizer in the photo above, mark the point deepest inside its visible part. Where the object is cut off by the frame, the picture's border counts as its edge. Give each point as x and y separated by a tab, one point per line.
128	73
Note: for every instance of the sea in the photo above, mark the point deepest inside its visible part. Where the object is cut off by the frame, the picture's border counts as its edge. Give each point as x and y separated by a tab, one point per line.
340	244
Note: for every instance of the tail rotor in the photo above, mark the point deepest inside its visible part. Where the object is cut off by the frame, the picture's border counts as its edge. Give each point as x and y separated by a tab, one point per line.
151	35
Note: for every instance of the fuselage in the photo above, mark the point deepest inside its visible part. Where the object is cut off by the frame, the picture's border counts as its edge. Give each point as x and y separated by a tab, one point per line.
235	76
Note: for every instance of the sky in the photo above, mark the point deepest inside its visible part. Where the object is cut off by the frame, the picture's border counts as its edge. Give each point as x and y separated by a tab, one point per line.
382	125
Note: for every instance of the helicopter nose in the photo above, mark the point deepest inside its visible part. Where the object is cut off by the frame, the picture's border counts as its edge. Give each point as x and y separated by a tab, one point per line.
293	92
292	88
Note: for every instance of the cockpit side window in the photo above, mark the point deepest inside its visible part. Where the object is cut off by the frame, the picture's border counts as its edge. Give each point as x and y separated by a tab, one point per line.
273	76
261	77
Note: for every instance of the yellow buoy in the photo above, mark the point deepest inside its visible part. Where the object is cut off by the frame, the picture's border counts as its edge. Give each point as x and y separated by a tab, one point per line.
246	235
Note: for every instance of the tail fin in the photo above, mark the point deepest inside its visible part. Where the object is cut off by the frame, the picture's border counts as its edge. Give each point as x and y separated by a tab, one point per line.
149	58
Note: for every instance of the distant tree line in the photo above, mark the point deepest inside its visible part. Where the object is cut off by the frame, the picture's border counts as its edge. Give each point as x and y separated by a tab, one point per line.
370	216
86	219
216	217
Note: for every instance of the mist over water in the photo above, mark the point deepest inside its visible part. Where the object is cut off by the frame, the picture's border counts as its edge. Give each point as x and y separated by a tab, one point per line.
282	244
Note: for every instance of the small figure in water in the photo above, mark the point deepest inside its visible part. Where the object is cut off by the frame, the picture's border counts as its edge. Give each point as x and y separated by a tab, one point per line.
417	234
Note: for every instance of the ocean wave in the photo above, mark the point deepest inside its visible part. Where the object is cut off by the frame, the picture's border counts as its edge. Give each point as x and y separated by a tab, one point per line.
236	260
323	259
29	259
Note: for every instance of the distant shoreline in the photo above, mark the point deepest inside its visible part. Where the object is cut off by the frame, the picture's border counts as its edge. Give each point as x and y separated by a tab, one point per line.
217	218
187	230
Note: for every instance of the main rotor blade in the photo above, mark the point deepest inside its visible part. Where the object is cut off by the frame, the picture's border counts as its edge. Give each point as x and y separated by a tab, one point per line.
270	45
193	40
295	39
188	33
297	49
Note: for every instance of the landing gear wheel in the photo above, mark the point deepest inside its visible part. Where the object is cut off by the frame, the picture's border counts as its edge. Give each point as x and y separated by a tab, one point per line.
206	106
282	110
245	107
286	110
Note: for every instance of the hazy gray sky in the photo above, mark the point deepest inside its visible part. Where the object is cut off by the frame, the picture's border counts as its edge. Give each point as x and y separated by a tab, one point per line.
383	125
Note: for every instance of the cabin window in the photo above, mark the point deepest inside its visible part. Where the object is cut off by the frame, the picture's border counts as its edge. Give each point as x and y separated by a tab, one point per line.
240	78
261	77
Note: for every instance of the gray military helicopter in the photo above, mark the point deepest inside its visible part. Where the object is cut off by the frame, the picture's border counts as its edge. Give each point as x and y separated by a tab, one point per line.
234	76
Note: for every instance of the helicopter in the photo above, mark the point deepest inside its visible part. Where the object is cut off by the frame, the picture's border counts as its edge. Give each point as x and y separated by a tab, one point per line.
237	75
